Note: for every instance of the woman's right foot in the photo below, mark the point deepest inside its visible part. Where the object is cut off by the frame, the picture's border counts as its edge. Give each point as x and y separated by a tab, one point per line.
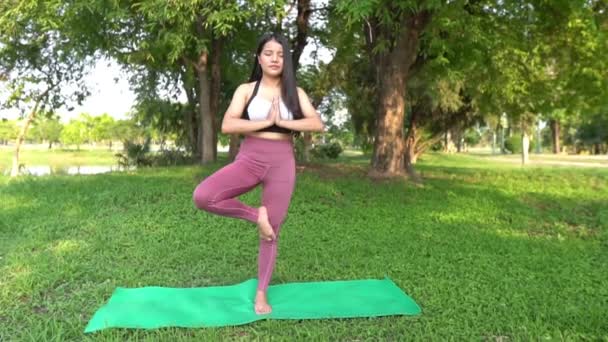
264	226
261	306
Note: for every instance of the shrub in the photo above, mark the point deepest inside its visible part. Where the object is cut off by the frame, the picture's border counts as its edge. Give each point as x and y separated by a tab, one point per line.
172	157
327	151
134	154
513	144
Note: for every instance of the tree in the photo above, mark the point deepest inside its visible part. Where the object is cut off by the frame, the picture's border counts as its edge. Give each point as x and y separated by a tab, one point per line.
8	131
74	133
393	31
47	129
101	129
173	45
39	60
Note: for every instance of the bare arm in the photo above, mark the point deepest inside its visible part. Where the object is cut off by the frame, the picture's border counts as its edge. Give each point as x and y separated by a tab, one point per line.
232	122
311	121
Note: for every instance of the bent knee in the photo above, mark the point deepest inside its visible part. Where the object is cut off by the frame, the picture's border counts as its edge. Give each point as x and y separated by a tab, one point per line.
202	198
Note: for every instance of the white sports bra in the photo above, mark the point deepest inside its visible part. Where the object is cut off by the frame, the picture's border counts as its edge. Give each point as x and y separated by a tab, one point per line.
258	107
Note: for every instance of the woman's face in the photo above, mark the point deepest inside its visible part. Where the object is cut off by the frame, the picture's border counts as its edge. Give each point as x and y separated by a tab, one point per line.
271	58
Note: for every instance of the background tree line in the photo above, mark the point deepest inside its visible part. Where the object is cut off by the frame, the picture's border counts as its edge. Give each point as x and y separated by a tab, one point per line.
412	75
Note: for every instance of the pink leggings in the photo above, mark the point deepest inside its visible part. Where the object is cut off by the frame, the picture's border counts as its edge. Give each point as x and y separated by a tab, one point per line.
266	161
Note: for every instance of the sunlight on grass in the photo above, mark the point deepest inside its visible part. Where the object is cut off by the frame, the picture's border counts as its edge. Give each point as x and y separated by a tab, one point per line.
510	233
15	272
67	246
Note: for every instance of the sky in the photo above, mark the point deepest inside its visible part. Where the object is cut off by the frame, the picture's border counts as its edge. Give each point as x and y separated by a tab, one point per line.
110	91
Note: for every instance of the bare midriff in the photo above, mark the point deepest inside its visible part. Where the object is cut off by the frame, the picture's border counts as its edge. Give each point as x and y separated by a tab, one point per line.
270	135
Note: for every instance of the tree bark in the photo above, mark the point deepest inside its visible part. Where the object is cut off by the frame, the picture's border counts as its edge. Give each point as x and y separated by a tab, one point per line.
387	159
555	133
216	83
307	137
300	42
389	148
459	141
206	124
234	146
302	35
411	141
190	122
20	138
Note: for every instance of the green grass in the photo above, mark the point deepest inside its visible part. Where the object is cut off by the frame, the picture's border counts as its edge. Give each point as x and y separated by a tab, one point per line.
489	251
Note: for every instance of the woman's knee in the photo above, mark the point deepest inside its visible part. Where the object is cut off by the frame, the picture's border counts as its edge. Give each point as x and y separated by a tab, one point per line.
202	197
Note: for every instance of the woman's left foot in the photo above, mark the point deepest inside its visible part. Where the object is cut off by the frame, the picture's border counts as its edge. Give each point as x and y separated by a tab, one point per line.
261	306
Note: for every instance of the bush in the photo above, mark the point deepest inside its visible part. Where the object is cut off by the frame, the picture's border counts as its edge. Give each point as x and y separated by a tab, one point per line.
327	151
172	157
134	154
472	138
513	144
139	155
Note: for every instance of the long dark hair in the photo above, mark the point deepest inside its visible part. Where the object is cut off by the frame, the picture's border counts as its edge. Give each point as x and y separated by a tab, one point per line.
289	92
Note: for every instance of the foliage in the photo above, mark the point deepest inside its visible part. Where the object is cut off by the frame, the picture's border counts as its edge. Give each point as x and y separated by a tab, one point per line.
172	157
8	130
513	144
38	58
74	133
329	150
472	137
47	129
134	154
593	133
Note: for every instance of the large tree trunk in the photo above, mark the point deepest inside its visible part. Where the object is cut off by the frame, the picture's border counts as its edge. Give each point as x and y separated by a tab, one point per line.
20	138
307	147
190	122
555	132
300	40
459	140
307	139
389	148
206	125
234	146
216	83
388	155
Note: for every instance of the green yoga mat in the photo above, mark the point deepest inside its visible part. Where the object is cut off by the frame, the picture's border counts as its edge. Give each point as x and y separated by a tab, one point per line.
156	307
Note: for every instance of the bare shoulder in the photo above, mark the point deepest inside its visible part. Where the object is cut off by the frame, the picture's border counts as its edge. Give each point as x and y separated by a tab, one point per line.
302	96
301	92
244	90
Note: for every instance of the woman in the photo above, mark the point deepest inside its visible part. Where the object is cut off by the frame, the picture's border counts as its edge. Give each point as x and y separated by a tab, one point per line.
267	110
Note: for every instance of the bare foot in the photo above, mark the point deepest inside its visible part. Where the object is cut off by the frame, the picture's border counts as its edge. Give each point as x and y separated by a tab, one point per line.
264	226
261	306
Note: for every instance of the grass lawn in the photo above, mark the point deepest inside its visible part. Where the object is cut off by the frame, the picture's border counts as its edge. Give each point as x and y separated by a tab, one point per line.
57	158
489	251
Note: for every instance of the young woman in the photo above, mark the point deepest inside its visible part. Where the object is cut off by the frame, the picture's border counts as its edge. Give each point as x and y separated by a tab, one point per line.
267	110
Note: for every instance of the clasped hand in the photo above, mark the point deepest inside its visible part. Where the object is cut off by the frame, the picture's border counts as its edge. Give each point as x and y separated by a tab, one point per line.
274	114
